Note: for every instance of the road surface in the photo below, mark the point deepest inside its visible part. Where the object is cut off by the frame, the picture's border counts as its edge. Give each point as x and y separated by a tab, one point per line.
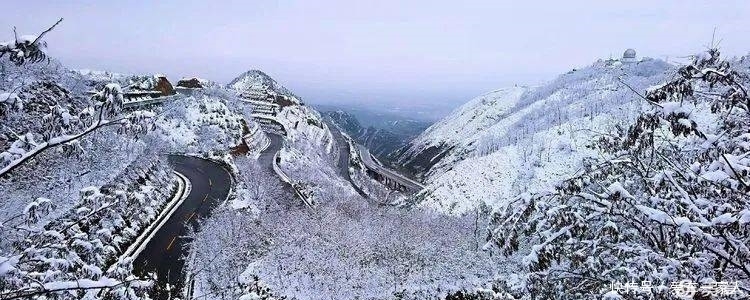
411	185
343	162
164	253
266	158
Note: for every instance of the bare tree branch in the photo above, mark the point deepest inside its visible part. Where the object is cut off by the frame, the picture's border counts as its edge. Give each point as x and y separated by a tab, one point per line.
739	178
38	38
638	93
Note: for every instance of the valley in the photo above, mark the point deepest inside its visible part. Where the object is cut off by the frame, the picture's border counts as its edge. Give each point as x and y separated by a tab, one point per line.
344	150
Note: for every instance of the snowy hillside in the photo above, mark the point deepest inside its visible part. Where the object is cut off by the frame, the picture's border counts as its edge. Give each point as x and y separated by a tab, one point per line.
308	155
39	88
463	124
258	80
72	156
520	139
665	200
472	117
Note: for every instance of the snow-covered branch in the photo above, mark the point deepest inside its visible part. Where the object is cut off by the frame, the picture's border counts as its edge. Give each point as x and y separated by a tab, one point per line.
108	107
26	48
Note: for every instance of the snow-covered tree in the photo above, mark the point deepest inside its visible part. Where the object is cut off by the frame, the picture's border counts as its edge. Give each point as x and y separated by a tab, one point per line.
60	126
76	255
668	201
63	129
59	248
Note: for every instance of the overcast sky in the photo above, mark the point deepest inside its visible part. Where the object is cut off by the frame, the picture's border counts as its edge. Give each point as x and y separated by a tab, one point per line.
387	51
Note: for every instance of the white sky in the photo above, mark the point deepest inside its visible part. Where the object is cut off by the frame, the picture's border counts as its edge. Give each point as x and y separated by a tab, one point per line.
439	53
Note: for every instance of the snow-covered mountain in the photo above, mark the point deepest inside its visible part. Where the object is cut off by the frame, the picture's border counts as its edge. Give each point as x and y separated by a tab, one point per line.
469	120
258	80
101	75
521	139
308	154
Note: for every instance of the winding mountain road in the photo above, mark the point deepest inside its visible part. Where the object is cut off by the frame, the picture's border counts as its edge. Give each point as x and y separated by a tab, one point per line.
343	162
266	158
164	253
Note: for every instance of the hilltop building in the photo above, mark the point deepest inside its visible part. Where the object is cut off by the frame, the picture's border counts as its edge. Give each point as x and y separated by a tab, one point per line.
628	56
191	83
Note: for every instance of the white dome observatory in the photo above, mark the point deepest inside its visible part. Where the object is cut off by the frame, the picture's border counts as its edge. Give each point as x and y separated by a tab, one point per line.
628	56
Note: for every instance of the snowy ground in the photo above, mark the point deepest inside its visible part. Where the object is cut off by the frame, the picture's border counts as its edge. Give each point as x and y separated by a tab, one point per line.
309	155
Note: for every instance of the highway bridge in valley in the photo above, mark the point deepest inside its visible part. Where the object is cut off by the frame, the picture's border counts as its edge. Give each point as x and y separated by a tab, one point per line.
387	176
